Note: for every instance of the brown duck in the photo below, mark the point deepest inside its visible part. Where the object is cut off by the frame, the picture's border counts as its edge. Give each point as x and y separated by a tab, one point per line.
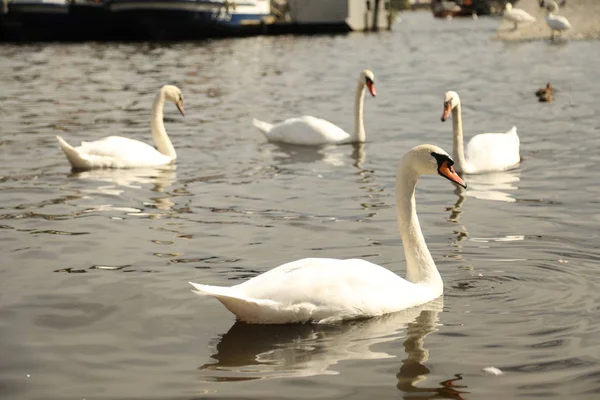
545	94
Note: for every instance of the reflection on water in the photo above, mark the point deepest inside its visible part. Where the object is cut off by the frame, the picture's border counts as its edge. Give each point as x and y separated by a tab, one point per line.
497	186
249	351
413	370
120	179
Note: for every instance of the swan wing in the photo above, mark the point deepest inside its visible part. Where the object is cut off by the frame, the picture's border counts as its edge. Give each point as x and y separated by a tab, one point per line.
558	22
319	290
494	151
307	131
121	152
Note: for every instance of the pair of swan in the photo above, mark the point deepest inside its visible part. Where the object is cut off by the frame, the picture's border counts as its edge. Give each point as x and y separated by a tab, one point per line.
324	290
121	152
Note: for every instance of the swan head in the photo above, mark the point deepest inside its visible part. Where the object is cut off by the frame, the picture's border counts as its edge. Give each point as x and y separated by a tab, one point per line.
428	159
451	100
367	78
173	94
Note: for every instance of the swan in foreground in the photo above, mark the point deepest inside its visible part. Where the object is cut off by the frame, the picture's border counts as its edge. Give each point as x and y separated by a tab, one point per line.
122	152
516	15
325	290
557	23
311	131
486	152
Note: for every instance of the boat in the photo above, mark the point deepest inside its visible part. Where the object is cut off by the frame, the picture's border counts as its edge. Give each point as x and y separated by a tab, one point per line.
48	20
189	19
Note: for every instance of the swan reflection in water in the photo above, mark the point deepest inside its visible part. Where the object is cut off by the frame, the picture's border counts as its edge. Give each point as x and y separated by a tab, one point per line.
113	182
335	155
251	352
497	186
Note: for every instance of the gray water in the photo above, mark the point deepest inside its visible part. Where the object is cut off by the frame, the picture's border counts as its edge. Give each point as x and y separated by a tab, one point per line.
94	301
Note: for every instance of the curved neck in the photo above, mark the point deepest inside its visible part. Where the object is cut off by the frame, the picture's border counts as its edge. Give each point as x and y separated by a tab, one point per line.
159	133
359	127
420	268
458	149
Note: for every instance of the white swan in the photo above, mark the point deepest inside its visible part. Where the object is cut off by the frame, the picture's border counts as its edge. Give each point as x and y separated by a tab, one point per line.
486	152
325	290
311	131
557	23
121	152
516	15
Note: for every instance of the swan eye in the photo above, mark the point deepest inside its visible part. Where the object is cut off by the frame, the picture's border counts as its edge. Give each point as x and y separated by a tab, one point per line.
368	81
441	158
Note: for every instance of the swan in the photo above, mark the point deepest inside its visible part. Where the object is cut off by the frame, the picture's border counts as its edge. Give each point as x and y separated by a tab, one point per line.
121	152
486	152
325	290
311	131
557	23
516	15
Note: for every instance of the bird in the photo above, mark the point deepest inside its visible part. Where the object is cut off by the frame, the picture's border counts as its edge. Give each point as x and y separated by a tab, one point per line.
545	94
325	290
311	131
557	23
486	152
516	15
122	152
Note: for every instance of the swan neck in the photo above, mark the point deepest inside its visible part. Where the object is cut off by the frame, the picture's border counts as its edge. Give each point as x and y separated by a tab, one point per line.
420	268
159	133
458	148
359	127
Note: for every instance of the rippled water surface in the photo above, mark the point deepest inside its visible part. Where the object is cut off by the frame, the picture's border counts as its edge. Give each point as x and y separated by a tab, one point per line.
94	301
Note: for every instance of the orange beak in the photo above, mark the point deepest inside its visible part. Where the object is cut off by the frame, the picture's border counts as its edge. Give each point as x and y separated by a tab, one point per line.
447	110
448	172
179	105
371	87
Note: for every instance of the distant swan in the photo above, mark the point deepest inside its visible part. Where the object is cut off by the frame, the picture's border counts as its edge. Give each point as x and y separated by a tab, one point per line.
557	23
311	131
516	15
121	152
486	152
326	290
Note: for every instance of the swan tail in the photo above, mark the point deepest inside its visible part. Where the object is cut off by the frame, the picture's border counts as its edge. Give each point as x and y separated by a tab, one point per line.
73	156
245	309
264	127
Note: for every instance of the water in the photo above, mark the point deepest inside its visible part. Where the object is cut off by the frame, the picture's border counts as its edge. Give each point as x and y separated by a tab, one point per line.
94	301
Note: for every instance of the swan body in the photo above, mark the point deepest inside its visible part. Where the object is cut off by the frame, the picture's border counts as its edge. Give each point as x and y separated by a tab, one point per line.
325	290
516	15
122	152
557	23
486	152
311	131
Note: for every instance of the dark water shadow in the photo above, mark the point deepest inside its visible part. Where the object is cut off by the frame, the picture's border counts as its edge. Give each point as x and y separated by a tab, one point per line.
252	352
413	369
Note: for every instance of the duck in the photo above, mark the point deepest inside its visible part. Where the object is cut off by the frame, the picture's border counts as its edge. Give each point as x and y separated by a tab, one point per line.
545	94
557	23
486	152
326	290
122	152
311	131
516	15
